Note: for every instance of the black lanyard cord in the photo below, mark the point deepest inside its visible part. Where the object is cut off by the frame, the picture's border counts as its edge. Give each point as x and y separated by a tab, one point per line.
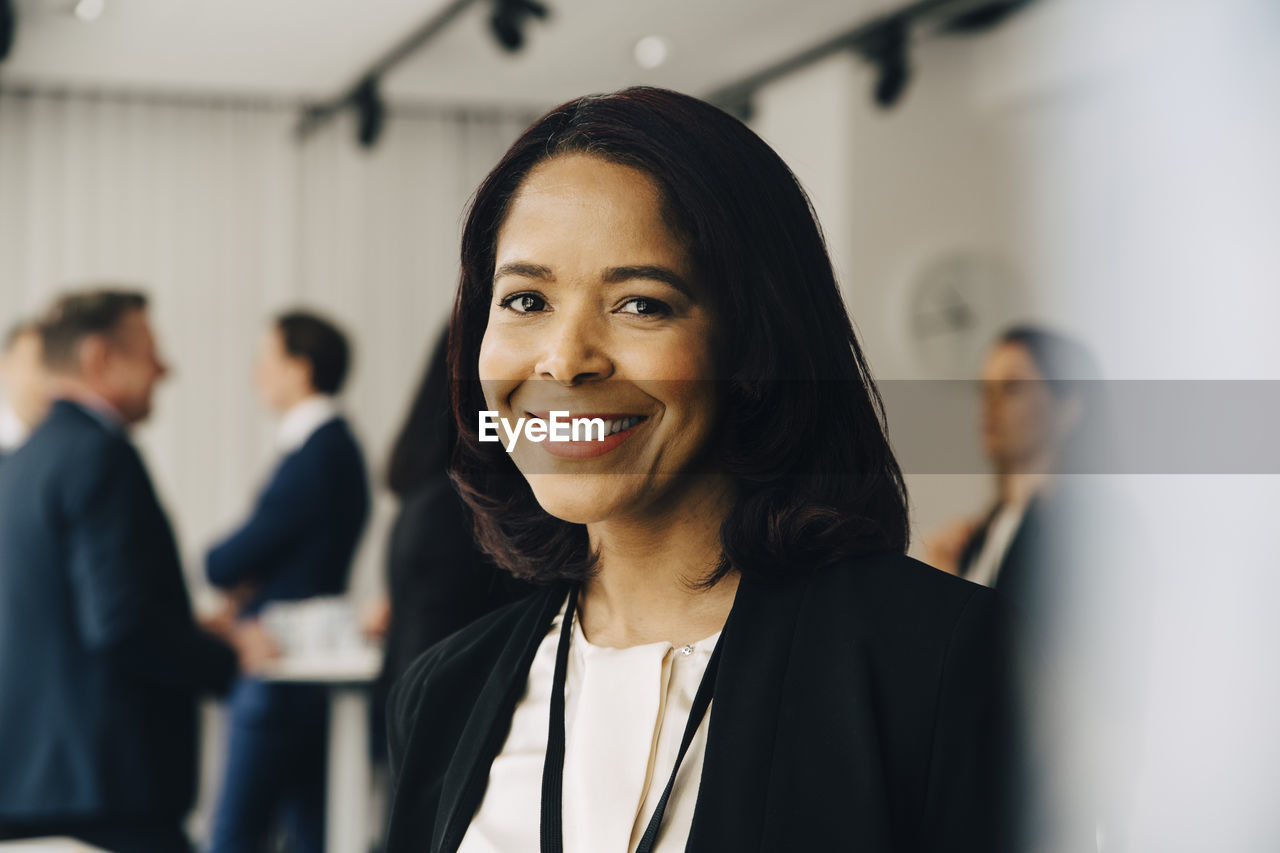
552	827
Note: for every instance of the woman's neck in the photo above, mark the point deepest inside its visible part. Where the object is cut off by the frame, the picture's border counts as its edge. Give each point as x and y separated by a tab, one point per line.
647	589
1018	488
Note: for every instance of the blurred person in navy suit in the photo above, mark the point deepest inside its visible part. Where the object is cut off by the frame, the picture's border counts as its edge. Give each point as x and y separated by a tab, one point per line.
101	660
26	400
298	542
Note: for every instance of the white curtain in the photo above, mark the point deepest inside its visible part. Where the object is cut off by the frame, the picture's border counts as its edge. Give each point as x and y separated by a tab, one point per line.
224	218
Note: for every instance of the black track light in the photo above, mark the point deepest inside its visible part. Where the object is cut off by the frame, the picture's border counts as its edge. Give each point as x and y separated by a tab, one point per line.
886	49
982	18
509	20
8	27
370	113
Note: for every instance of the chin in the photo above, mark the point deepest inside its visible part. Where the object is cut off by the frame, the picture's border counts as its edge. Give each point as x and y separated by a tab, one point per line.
137	415
580	498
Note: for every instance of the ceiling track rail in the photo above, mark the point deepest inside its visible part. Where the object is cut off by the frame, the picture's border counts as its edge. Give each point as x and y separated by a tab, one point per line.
363	93
882	41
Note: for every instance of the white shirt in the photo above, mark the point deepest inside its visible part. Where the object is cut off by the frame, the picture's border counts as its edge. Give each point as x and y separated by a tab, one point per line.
1000	533
625	714
303	419
13	432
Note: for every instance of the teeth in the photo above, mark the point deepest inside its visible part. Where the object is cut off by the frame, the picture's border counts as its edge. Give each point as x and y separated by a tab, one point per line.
622	424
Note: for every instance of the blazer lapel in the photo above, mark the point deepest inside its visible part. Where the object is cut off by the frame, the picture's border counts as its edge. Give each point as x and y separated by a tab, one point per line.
733	797
482	738
1022	554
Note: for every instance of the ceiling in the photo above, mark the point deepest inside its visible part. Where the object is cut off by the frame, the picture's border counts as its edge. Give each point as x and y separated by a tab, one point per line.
313	49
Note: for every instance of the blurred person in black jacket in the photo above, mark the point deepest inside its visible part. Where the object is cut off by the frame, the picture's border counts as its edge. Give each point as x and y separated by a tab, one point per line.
1058	544
438	579
1040	414
101	661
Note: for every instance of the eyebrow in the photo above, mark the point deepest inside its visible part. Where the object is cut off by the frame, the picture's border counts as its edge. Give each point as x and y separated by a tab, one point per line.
617	275
524	269
612	275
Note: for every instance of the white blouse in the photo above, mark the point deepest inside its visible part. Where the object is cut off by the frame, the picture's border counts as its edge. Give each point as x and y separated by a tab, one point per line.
625	714
1000	533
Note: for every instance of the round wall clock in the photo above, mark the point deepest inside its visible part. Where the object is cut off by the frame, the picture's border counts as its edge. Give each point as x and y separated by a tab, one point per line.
957	303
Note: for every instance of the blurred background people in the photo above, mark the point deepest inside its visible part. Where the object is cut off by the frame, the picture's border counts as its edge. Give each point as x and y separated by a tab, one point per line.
25	399
100	658
438	579
297	543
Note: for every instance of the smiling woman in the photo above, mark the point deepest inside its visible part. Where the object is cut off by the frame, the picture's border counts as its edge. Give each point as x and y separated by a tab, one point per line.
731	651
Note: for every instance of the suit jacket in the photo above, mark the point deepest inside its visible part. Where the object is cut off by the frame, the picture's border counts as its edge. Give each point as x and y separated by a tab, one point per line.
1064	579
863	707
302	534
100	660
1056	539
1020	559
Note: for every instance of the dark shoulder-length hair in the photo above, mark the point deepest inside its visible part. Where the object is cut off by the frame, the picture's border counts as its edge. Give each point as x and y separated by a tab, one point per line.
801	424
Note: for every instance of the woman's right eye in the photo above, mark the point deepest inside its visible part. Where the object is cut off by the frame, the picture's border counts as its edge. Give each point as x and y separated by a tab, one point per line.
524	303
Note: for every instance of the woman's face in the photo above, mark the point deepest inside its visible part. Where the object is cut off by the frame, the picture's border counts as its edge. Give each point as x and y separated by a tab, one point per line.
597	311
1019	412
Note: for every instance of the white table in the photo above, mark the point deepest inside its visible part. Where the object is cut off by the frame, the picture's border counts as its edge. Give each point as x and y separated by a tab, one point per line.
348	675
48	845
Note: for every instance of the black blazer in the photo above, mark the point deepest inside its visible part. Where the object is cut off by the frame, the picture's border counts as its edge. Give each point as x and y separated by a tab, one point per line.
1022	563
1064	533
863	707
100	660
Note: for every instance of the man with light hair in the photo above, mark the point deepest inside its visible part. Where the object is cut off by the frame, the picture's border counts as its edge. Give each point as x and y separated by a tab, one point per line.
101	661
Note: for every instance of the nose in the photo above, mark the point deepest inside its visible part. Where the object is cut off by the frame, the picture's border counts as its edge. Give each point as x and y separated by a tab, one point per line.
574	351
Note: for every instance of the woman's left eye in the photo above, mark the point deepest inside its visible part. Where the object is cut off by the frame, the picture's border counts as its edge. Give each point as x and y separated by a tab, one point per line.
644	307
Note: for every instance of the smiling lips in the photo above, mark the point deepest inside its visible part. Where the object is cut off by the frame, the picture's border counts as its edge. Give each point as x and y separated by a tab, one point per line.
618	428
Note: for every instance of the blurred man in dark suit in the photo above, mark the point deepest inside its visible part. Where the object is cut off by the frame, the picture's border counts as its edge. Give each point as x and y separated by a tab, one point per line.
100	659
298	542
26	399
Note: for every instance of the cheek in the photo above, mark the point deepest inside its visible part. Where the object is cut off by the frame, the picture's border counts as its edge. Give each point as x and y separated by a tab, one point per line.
1041	418
700	408
500	367
268	376
1026	424
686	358
681	374
1020	418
